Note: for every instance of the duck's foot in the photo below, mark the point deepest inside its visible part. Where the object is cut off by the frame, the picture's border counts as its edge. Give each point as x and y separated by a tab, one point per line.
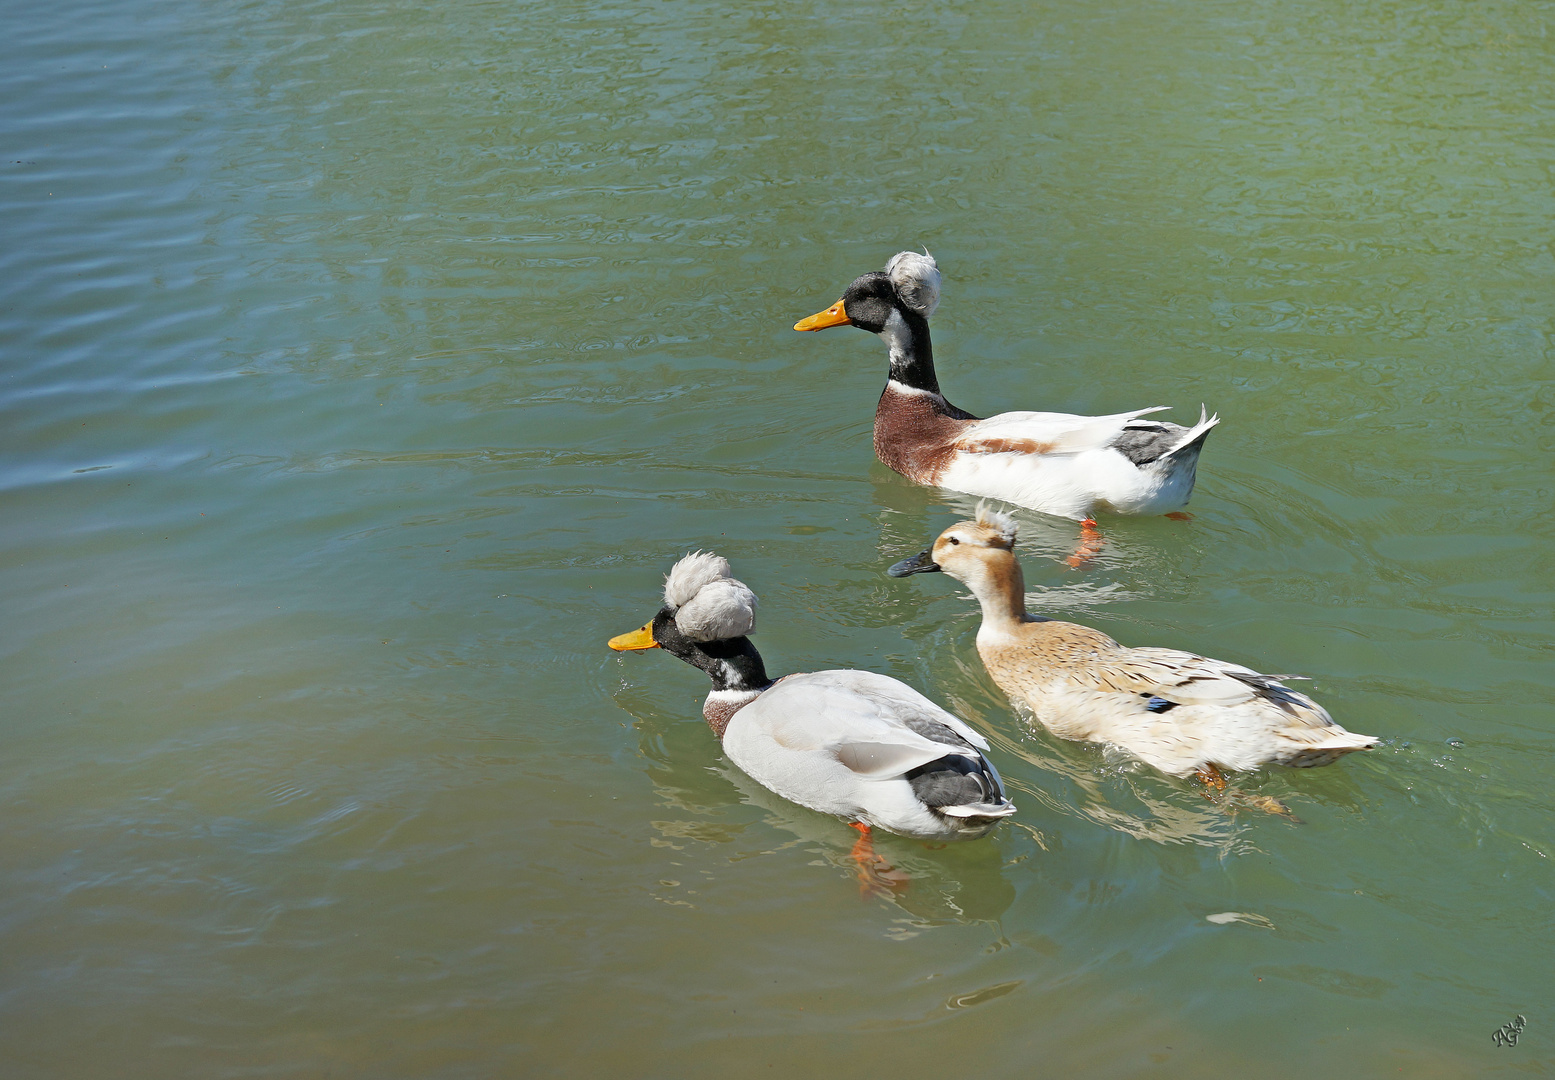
1211	778
1268	804
1217	791
876	876
1090	543
1179	515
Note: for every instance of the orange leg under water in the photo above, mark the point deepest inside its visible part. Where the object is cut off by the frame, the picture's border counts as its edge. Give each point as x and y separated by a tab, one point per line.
1180	515
1217	791
1090	543
876	877
1212	778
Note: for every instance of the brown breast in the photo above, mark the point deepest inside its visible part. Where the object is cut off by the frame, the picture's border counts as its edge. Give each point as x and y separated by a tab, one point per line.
718	713
914	436
721	705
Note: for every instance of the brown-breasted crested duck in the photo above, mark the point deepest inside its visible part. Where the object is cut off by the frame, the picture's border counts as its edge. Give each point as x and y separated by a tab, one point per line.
865	747
1057	463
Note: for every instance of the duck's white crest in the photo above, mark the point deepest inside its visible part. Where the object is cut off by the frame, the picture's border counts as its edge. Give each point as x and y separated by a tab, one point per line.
688	576
917	280
1001	523
710	604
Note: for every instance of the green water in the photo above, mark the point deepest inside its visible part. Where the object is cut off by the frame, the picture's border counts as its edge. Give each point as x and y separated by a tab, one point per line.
363	366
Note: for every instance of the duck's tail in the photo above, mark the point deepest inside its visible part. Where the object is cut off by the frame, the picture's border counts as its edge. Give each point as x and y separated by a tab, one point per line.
1196	434
1348	740
978	810
1326	746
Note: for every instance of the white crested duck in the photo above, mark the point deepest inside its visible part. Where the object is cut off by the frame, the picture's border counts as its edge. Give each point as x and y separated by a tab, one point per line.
1057	463
1184	714
862	746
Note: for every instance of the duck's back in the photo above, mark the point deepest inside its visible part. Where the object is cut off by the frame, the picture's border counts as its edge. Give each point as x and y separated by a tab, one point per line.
819	710
835	740
1058	463
1175	710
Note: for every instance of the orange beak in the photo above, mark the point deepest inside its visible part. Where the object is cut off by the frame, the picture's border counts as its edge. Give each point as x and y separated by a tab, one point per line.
637	639
832	316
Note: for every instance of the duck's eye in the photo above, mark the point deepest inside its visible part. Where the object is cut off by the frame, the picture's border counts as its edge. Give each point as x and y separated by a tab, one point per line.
953	540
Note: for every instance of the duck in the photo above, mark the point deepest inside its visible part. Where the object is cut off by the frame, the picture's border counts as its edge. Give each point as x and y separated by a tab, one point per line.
1181	713
858	745
1056	463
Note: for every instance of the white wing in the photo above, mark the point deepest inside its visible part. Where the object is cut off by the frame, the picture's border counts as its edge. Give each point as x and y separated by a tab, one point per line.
894	699
871	723
1046	433
842	742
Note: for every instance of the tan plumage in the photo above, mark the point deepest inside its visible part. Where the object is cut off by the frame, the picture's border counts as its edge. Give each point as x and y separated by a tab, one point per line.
1177	711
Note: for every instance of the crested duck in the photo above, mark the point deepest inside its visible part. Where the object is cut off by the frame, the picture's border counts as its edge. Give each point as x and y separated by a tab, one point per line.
1057	463
1181	713
862	746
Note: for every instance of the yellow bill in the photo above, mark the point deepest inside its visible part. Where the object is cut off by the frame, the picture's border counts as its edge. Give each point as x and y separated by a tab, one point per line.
835	315
637	639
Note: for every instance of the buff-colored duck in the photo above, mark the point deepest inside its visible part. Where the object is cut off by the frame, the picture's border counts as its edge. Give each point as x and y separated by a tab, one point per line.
862	746
1184	714
1057	463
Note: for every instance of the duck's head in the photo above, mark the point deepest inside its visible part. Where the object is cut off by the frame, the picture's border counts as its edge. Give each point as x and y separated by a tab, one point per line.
705	621
908	289
972	552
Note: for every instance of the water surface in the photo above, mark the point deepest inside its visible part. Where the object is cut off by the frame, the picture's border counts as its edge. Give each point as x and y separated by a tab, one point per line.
364	366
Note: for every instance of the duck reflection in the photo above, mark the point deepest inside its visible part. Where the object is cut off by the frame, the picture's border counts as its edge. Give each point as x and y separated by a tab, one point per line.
1094	783
934	883
1132	543
930	883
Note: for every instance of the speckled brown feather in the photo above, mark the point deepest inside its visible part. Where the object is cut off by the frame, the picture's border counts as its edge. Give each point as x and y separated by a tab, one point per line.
718	713
1005	446
1177	710
1045	650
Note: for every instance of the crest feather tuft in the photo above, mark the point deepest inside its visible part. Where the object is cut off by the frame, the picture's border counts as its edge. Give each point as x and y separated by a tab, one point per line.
999	522
709	604
917	280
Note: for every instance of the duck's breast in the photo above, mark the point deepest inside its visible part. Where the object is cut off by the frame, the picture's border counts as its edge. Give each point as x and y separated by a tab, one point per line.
914	436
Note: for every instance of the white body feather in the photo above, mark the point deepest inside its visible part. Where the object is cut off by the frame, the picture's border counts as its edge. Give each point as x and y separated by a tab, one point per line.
838	742
1077	469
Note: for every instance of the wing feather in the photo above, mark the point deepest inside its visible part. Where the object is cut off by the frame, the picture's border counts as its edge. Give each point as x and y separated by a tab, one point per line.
1046	433
873	724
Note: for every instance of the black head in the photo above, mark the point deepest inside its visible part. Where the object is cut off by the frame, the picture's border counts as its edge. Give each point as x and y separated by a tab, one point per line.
870	300
732	663
894	303
866	304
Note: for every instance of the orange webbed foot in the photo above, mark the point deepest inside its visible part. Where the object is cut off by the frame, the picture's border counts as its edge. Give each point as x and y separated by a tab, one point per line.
1180	515
1211	778
1270	805
876	876
1090	543
1229	798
